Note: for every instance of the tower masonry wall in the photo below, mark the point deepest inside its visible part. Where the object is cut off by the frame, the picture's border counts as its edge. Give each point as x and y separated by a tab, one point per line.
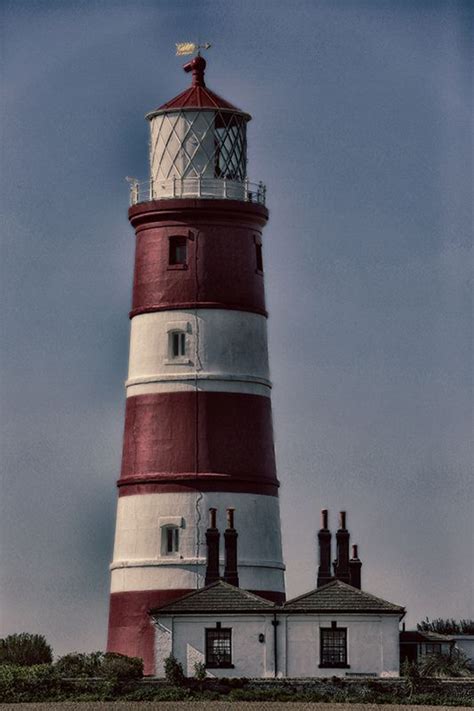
208	440
224	348
140	561
221	269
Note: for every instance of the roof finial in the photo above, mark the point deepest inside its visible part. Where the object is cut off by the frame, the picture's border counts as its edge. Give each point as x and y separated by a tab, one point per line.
197	65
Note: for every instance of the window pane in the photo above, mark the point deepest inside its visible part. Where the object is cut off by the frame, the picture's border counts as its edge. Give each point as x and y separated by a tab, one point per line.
218	647
178	250
169	540
258	251
333	646
177	344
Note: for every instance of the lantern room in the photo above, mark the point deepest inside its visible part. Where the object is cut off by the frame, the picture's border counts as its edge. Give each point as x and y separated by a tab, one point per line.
198	147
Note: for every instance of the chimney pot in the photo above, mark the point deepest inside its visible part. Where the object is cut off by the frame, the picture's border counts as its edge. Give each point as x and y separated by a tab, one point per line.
354	551
324	518
230	518
342	520
212	518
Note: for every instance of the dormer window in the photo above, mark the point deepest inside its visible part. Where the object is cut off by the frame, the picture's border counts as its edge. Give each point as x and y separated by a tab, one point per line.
178	251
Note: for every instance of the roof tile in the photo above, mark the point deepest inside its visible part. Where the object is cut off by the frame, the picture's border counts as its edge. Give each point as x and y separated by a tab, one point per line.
337	596
217	597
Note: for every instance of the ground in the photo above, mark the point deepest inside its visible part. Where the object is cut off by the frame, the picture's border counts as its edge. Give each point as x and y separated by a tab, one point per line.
215	706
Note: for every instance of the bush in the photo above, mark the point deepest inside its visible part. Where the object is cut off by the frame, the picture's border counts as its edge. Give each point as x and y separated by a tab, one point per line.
119	667
448	626
455	664
153	693
174	673
79	666
28	683
25	650
200	672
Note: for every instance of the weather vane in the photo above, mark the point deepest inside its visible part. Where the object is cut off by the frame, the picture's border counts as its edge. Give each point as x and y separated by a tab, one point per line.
183	48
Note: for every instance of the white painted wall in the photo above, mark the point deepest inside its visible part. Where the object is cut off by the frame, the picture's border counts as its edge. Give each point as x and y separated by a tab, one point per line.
185	637
372	644
225	350
139	564
465	643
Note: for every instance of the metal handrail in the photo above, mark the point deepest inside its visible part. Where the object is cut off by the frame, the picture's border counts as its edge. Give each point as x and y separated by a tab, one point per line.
196	187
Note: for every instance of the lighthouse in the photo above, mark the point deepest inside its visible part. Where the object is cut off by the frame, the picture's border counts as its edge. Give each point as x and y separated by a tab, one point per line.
198	437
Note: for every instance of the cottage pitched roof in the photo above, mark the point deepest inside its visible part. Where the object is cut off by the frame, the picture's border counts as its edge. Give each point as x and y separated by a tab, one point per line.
337	596
217	597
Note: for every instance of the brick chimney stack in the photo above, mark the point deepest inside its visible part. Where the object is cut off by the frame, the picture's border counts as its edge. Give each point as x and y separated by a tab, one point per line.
341	565
212	540
355	567
230	542
324	541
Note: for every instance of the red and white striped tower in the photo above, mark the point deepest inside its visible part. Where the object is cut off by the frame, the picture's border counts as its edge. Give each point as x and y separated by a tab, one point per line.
198	424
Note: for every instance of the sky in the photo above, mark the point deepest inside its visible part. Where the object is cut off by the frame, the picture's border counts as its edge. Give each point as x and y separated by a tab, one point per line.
361	131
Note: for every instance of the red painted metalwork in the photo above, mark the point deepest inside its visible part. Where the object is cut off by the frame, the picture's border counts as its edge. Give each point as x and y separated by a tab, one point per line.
198	96
221	263
222	437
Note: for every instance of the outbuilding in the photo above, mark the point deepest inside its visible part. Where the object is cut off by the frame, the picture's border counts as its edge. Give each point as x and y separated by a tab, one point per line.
334	630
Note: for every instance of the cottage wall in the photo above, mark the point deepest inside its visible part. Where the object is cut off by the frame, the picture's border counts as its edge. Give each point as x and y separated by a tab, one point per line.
372	644
184	637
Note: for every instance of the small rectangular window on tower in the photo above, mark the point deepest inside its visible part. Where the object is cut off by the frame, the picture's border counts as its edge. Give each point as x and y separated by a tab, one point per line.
178	251
170	542
259	256
178	344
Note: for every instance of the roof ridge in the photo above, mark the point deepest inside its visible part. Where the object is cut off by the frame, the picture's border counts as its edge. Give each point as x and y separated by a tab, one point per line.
218	583
187	595
311	592
344	586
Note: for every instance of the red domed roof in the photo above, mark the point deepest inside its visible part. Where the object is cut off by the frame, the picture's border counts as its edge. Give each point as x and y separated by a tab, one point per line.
198	96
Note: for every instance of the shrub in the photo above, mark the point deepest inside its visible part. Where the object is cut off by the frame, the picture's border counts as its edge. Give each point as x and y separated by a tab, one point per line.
174	673
28	683
448	626
25	649
79	666
119	667
200	672
445	665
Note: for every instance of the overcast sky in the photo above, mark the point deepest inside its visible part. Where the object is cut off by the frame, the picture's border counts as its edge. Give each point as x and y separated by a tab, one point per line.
361	131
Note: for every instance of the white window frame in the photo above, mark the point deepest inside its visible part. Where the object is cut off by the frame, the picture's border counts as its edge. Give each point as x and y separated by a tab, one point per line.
175	542
183	329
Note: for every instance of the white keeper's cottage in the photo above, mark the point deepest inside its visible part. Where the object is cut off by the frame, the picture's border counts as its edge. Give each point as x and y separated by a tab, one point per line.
335	630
